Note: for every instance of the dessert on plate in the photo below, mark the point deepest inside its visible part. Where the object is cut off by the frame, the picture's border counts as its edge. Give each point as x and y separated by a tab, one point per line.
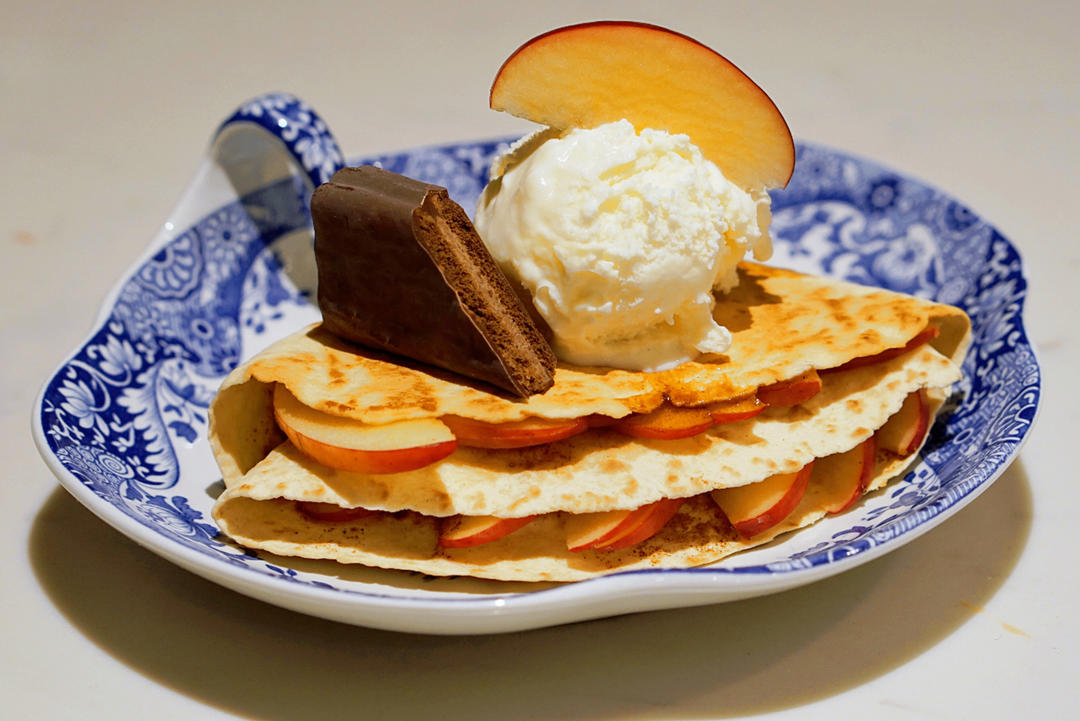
593	378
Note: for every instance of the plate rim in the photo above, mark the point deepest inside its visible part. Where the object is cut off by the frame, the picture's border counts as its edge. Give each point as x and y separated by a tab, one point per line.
495	607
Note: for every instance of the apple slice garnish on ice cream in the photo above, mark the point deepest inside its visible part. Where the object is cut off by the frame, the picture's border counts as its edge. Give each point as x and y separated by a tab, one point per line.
586	75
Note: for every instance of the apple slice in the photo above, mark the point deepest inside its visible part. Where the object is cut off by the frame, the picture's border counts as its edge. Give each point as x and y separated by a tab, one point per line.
666	422
659	513
905	430
349	445
757	507
791	392
924	336
585	530
608	530
842	477
736	410
513	434
466	531
586	75
332	512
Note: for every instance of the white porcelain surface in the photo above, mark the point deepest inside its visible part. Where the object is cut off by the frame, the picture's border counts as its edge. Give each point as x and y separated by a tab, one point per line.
114	107
123	420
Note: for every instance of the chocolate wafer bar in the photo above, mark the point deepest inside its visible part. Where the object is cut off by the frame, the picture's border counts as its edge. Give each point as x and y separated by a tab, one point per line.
401	269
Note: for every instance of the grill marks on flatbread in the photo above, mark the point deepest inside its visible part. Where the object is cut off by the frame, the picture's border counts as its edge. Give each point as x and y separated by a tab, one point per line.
783	323
698	534
602	469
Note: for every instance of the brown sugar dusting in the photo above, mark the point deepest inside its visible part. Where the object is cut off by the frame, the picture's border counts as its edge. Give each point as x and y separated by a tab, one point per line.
698	522
551	456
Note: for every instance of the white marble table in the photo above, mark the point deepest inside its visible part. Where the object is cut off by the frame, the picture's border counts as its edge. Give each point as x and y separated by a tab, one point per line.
107	108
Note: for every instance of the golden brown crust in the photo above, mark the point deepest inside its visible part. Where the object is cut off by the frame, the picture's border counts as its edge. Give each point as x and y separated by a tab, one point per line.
820	323
602	469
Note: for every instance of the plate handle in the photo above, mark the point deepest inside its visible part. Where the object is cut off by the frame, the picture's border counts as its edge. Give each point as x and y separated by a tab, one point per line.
289	124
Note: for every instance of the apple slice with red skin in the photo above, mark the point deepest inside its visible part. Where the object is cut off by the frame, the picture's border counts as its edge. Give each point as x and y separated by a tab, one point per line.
513	434
666	422
791	392
733	411
905	430
467	531
757	507
349	445
659	513
924	336
608	530
331	512
586	75
843	477
585	530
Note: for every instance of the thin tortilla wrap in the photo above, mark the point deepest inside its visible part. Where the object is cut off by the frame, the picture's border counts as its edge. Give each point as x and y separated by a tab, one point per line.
698	534
782	323
602	469
819	324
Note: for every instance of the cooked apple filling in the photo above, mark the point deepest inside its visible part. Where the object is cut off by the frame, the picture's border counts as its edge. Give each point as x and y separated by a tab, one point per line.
839	480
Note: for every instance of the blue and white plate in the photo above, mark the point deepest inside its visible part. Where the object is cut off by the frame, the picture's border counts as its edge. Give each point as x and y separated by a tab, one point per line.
122	422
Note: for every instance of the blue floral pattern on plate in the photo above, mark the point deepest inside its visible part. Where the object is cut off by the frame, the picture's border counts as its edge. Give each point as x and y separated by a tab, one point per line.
125	416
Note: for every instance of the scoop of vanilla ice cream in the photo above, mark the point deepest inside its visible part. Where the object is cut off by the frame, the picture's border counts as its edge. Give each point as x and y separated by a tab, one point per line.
621	238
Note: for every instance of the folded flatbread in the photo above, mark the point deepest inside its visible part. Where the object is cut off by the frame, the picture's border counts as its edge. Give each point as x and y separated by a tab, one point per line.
783	324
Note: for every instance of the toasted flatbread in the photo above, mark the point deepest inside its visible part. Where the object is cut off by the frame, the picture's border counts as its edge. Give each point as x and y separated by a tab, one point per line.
783	323
408	541
602	469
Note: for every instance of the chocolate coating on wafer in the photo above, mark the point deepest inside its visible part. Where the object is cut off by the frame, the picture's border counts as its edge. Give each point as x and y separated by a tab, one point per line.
402	269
